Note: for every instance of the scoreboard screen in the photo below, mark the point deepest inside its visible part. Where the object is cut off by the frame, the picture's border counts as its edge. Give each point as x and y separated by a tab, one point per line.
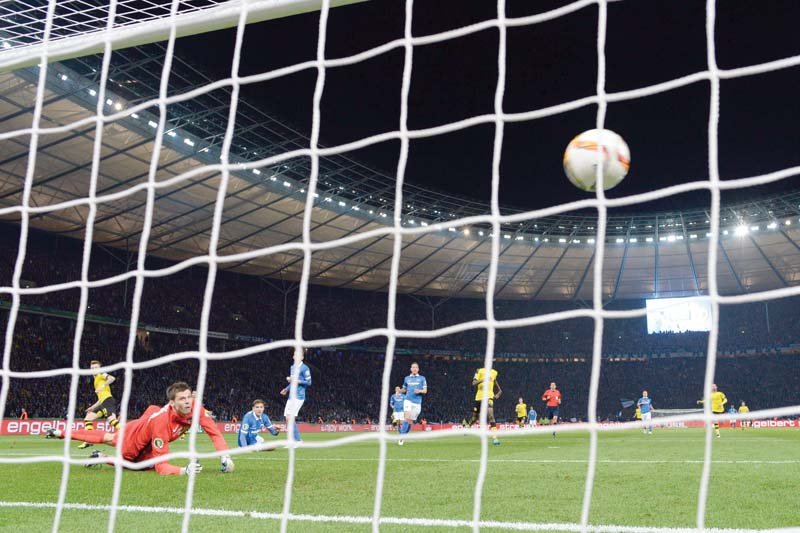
677	315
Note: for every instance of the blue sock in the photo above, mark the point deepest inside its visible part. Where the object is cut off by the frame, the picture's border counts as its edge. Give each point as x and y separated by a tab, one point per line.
297	434
405	428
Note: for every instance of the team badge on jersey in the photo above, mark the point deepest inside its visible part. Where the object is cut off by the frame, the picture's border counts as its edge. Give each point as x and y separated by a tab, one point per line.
158	443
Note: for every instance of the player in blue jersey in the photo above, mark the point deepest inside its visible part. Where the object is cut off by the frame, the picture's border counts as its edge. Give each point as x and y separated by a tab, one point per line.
252	423
396	402
414	386
532	418
295	402
645	404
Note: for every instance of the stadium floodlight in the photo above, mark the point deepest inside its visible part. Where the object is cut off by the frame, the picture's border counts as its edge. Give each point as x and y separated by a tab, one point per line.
741	231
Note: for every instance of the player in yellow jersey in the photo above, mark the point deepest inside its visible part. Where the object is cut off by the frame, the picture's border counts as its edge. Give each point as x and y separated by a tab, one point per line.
105	406
491	393
522	410
718	401
744	409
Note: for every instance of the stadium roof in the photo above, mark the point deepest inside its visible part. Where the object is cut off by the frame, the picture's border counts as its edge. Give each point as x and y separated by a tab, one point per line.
548	257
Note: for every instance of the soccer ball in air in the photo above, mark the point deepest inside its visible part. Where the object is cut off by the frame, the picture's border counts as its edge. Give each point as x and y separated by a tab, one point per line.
581	158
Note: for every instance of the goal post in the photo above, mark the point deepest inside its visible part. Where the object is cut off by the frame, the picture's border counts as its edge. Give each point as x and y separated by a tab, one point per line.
18	51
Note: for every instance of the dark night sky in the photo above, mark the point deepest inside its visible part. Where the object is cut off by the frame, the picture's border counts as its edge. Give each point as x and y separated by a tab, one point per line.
649	41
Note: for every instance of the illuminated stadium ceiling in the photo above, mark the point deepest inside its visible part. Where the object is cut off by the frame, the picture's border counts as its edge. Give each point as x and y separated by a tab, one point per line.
550	257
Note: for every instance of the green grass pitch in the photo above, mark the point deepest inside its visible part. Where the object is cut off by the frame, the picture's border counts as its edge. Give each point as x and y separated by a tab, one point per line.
641	481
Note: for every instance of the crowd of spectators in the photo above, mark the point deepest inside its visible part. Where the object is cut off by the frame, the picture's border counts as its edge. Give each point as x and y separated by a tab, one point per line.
347	383
757	347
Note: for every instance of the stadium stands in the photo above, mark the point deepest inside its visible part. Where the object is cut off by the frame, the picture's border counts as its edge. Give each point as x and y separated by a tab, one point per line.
759	355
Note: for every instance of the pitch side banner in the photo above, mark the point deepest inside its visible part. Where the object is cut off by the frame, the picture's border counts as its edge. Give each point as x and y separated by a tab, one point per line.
40	426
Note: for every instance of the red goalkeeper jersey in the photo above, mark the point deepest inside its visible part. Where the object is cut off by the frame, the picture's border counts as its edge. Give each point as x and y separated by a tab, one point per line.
149	436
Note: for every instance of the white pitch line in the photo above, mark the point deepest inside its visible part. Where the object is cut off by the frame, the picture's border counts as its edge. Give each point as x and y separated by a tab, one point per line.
522	461
423	522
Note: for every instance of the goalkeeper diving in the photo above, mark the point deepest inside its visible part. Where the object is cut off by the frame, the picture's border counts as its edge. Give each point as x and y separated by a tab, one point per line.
148	436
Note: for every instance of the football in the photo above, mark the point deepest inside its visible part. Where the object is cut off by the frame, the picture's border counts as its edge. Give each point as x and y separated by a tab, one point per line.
587	150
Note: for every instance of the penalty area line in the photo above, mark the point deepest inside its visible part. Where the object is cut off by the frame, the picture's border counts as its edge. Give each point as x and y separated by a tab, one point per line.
425	522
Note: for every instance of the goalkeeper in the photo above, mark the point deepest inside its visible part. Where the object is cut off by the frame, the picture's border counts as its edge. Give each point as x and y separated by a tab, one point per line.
252	423
148	437
718	401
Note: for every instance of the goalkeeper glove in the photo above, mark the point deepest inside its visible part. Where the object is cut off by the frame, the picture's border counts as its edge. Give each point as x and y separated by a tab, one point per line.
192	469
226	464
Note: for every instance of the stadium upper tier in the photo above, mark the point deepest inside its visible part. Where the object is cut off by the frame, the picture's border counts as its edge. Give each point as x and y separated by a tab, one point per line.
446	242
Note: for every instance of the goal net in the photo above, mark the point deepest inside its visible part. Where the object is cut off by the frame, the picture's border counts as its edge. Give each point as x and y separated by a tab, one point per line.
178	152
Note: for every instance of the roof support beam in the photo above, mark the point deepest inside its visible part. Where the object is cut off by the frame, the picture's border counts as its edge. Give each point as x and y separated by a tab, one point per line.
528	259
420	261
585	273
622	263
381	262
656	268
730	266
555	266
691	259
770	263
447	269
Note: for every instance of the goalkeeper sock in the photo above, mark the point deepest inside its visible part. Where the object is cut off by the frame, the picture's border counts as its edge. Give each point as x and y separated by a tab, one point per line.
95	437
88	425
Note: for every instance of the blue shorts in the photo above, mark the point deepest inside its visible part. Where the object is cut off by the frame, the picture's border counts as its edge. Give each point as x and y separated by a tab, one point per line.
551	412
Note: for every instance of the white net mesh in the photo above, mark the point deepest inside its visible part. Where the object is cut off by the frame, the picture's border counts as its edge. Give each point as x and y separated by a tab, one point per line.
38	24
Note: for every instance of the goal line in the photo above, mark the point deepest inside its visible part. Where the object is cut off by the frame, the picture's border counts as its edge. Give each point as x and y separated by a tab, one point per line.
419	522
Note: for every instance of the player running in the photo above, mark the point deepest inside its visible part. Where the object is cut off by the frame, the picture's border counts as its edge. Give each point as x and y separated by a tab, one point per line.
553	398
533	419
295	402
718	401
148	436
252	423
105	406
396	403
522	411
491	392
645	405
742	410
414	386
